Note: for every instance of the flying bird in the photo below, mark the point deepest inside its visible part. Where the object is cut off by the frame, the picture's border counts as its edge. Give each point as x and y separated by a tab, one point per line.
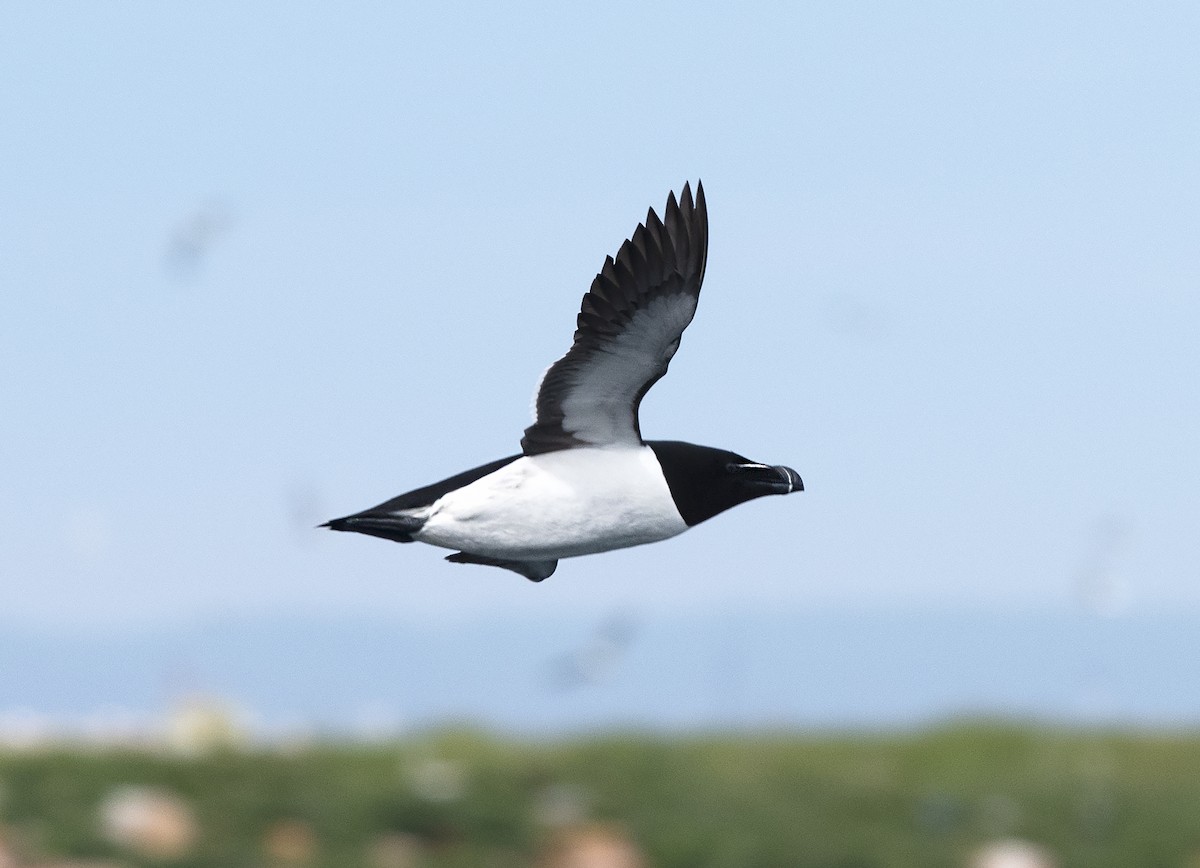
585	481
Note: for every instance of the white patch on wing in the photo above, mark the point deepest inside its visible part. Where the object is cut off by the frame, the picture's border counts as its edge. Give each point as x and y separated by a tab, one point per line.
557	505
598	408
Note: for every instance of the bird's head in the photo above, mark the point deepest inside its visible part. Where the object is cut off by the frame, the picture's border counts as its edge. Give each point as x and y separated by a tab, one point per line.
705	481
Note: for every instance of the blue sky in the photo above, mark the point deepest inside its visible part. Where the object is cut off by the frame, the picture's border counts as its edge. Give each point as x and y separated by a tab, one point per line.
952	280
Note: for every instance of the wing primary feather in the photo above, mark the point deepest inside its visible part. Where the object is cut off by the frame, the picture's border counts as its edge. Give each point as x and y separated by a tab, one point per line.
650	250
701	223
635	250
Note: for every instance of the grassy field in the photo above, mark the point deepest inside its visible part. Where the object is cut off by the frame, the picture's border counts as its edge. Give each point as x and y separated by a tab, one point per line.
786	800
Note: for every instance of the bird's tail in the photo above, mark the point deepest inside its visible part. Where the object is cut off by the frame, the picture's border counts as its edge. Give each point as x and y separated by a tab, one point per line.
396	526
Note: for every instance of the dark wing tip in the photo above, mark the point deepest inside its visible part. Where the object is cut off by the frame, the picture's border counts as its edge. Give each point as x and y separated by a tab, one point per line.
658	252
682	232
698	226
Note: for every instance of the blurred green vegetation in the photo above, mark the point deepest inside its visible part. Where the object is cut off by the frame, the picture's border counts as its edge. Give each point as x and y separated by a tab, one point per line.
737	800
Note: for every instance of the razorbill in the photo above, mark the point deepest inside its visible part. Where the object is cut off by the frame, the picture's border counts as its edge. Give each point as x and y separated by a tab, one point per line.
586	481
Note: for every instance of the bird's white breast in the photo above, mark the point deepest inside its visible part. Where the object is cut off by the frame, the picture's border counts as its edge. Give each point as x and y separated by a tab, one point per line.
558	504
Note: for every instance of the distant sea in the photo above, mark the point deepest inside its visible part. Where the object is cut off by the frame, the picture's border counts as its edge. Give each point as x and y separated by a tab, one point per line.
867	670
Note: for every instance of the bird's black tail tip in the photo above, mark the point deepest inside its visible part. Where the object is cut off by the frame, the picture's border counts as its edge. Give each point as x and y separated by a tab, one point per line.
396	527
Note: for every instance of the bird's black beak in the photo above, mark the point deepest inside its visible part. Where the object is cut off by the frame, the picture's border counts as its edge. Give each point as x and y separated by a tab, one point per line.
772	480
794	482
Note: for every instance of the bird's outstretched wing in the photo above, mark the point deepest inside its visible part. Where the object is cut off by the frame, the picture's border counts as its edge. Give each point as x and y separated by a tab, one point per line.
628	329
